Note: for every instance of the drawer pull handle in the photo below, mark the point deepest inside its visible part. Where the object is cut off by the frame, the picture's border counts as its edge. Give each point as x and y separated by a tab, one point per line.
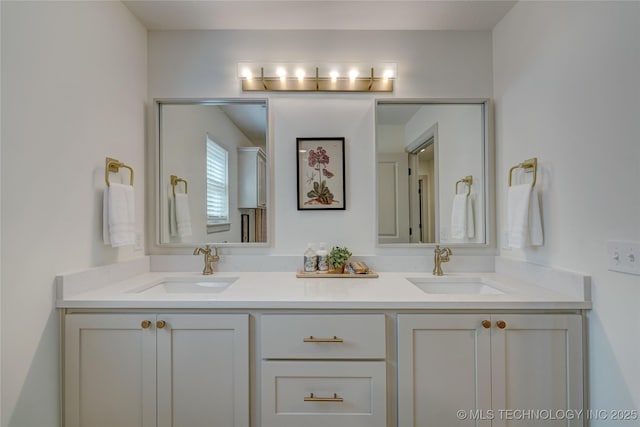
146	324
501	324
314	339
161	324
312	398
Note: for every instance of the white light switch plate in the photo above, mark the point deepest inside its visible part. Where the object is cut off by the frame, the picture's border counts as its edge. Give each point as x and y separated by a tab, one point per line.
624	256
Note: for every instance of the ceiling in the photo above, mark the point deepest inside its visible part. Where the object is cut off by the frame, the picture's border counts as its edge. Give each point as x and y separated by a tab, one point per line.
250	119
396	114
463	15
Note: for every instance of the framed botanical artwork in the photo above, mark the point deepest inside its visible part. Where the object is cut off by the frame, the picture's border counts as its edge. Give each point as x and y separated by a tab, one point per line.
321	182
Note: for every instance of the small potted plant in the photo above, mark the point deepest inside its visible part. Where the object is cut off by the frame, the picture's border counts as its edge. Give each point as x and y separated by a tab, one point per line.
338	259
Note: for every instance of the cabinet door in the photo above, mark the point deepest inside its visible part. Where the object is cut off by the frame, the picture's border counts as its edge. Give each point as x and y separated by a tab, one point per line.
536	365
443	367
109	370
203	370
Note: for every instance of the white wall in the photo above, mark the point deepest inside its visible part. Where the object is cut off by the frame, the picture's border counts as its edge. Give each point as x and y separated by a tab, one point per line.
74	76
566	84
200	64
351	119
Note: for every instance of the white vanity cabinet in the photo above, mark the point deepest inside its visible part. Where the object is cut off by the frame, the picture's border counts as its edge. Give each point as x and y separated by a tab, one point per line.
252	177
152	369
489	367
323	370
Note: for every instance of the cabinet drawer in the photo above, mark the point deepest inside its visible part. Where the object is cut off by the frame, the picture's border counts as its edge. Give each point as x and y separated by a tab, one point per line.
303	336
336	394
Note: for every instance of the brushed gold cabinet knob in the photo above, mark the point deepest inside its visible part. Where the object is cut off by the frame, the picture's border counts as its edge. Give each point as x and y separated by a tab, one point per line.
145	324
501	324
161	324
486	324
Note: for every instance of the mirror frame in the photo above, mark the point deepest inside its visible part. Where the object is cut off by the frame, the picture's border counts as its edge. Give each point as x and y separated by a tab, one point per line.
488	165
155	167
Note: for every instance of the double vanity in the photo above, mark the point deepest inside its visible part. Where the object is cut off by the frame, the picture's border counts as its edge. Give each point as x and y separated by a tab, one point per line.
261	349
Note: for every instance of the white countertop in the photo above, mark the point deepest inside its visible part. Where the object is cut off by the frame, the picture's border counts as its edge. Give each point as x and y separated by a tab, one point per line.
282	290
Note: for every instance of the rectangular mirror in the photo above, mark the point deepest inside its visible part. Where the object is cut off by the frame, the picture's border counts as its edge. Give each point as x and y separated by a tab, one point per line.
212	172
432	171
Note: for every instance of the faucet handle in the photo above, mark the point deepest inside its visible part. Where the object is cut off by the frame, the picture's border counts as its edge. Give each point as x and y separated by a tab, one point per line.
445	251
205	250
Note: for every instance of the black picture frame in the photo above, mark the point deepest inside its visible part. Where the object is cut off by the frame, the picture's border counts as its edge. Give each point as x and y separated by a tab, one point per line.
321	173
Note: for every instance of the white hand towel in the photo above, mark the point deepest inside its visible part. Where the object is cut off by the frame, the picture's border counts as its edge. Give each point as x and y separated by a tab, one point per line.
183	215
459	217
173	227
524	224
462	220
118	225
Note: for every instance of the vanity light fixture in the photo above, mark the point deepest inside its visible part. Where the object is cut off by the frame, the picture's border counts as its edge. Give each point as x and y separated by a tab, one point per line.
307	77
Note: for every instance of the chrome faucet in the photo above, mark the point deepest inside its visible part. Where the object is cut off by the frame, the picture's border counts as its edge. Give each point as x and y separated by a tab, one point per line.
440	255
208	258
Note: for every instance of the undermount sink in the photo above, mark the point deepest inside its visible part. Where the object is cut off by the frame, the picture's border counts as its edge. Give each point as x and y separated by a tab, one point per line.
455	285
188	285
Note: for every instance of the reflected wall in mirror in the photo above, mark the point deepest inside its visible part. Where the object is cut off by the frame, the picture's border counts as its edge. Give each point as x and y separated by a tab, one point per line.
212	168
432	171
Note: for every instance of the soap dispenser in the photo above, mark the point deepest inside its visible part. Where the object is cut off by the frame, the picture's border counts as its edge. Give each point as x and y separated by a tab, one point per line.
310	259
323	265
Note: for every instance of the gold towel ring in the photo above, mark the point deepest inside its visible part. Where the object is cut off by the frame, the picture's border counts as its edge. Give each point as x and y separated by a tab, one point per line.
466	180
113	165
174	181
527	164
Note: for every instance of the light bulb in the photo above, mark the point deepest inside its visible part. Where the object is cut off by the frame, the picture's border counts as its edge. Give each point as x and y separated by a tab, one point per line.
300	74
334	76
246	73
353	74
282	73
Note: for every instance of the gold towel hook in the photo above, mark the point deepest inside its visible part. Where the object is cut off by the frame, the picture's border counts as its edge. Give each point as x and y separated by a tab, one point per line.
527	164
174	181
113	165
466	180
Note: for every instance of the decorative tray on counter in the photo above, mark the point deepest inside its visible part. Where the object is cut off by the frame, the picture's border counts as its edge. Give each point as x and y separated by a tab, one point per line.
353	269
368	275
